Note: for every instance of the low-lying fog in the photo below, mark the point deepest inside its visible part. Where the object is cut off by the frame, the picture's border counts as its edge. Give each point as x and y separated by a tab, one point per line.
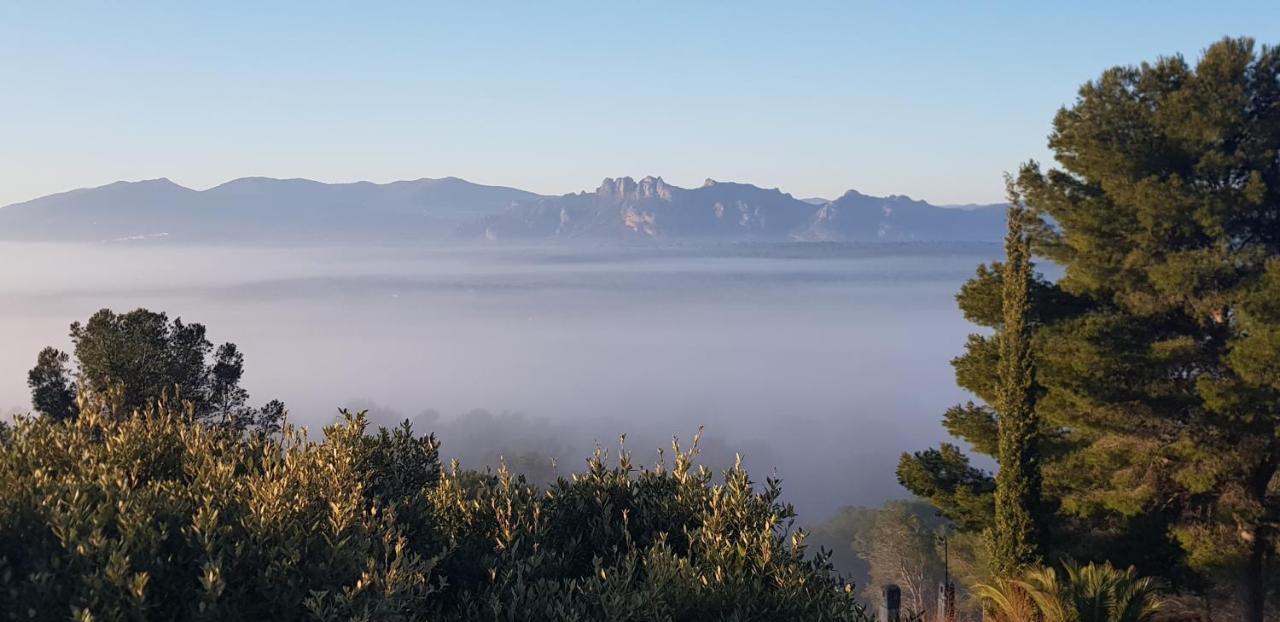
818	362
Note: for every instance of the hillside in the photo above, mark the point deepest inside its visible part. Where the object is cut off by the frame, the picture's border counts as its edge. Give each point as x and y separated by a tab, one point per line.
265	210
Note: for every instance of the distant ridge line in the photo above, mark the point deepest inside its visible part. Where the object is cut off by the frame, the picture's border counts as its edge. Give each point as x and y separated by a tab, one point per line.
266	210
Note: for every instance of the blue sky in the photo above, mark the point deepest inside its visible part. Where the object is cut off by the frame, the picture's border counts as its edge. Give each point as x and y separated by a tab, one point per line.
934	100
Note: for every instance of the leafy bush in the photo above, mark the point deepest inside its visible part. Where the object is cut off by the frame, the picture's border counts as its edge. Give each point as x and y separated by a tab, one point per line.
155	516
1089	593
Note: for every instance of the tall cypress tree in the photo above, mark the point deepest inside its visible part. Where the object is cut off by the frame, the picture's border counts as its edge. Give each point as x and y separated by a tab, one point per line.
1017	532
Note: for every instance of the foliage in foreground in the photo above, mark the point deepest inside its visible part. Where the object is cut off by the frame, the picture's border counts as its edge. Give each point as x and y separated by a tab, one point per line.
154	516
1089	593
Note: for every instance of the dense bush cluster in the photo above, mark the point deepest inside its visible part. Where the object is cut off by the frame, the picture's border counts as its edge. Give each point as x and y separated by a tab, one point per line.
155	516
1079	593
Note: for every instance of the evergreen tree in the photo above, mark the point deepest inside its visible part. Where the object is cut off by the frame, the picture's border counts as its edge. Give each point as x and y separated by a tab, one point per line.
1016	530
142	355
226	398
959	491
53	393
1155	353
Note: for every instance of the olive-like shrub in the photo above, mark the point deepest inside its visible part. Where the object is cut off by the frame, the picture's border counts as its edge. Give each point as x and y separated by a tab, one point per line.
158	517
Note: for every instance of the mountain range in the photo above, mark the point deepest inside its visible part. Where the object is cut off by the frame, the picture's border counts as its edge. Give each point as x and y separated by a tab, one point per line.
258	209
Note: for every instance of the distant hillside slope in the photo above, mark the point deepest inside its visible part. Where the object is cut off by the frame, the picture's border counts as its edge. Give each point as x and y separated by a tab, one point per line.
259	209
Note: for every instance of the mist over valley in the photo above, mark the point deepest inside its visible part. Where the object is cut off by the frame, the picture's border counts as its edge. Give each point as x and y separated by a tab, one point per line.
817	361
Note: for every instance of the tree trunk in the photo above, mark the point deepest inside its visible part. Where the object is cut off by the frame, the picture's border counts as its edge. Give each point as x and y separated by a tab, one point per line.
1255	580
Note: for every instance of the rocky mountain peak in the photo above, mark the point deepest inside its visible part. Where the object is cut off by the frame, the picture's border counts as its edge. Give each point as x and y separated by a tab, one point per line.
619	187
628	189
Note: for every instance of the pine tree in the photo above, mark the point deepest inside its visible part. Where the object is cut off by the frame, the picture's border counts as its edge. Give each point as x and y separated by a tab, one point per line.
145	356
1156	351
53	392
1016	531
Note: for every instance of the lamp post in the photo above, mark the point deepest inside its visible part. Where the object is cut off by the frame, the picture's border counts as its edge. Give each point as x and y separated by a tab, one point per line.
946	591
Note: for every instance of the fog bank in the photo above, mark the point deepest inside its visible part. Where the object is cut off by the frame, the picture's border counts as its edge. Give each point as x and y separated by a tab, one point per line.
818	362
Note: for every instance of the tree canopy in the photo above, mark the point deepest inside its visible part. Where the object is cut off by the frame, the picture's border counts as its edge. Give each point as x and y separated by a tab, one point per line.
1156	351
139	357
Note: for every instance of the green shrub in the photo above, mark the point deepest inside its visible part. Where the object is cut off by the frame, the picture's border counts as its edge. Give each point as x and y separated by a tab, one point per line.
157	517
1089	593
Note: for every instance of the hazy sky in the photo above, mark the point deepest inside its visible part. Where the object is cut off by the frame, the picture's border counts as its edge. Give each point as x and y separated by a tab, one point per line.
932	100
